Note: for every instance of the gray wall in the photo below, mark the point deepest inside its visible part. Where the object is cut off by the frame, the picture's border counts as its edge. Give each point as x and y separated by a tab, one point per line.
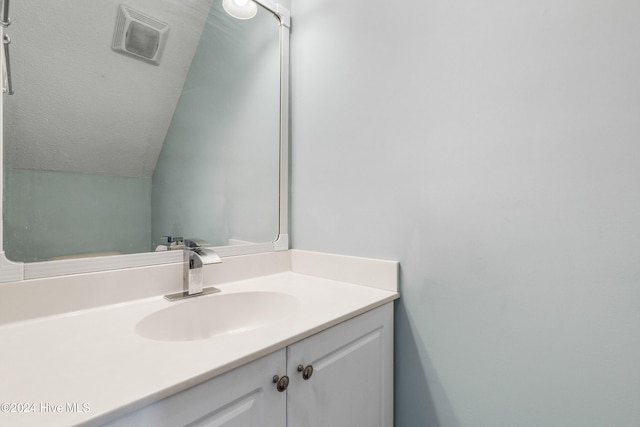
49	214
217	174
492	148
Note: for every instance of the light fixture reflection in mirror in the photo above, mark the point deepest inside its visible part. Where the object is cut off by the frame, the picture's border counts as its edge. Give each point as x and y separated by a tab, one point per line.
240	9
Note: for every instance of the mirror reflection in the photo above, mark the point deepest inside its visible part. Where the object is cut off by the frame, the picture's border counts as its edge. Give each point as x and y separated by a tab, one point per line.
135	121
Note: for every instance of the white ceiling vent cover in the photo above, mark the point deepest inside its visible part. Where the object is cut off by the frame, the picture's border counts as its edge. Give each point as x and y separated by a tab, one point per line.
139	35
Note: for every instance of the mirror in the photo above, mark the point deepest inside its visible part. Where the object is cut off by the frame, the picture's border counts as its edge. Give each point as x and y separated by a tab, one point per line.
135	121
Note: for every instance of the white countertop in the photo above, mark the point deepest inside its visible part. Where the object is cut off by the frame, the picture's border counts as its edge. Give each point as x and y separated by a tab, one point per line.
95	358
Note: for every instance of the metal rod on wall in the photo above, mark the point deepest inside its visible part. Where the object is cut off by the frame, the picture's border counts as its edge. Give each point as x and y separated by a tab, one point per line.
6	21
6	77
7	65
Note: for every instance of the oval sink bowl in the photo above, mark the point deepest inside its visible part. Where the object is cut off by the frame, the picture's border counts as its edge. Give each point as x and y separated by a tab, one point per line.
203	317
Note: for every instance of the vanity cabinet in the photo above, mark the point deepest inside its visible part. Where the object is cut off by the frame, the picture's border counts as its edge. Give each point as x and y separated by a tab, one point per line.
351	374
342	376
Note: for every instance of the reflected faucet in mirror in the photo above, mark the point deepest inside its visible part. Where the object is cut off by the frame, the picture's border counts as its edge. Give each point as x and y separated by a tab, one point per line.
196	255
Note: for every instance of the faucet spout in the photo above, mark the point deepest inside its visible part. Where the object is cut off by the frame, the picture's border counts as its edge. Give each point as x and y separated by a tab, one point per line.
195	257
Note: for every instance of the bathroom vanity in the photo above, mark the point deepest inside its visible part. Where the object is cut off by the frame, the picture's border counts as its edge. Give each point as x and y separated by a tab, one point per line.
292	338
307	340
339	377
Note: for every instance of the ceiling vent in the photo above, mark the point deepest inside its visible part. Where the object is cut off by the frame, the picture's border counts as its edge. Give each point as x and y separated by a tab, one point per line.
139	35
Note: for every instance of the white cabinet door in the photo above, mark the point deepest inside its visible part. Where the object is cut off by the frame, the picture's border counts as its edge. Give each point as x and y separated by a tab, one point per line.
245	396
352	380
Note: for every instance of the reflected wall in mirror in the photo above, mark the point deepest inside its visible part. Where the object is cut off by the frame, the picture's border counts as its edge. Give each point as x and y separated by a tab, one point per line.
106	152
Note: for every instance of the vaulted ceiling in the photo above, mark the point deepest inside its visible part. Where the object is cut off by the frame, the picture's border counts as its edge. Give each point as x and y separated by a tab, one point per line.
81	107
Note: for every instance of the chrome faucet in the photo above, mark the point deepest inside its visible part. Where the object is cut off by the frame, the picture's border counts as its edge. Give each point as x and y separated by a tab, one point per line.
196	255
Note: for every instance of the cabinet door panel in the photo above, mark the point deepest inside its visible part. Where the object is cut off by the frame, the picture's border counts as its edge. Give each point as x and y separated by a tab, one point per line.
352	380
243	397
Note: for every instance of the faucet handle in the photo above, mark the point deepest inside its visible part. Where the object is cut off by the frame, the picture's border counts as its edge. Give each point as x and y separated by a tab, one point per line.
203	250
195	243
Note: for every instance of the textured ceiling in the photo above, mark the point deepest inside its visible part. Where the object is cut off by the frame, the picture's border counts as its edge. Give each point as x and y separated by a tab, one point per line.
81	107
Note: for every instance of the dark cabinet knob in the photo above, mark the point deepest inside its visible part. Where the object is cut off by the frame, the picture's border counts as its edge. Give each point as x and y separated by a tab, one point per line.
307	371
281	382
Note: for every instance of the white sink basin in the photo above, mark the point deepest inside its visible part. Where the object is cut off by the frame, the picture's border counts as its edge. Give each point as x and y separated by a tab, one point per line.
206	316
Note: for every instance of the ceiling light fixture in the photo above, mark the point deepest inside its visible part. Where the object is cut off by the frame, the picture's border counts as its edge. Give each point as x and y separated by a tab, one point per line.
240	9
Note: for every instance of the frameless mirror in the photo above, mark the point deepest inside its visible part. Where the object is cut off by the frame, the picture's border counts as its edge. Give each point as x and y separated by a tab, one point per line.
135	121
